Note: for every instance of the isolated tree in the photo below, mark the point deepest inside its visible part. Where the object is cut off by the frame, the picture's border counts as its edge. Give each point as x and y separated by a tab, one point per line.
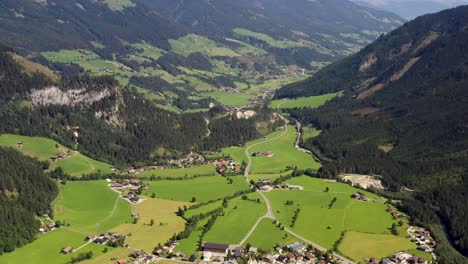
151	222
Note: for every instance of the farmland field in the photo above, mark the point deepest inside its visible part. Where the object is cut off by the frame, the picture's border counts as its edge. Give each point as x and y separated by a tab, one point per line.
311	102
203	189
323	225
267	235
194	43
238	219
91	207
202	170
284	154
166	223
363	245
46	248
75	164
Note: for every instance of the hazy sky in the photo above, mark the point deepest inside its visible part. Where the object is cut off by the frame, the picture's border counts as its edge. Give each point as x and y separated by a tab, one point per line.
444	2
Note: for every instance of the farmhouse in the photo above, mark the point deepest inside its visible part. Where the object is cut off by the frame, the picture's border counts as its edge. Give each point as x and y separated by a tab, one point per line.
19	144
296	247
263	181
266	188
67	250
293	187
214	250
360	197
263	153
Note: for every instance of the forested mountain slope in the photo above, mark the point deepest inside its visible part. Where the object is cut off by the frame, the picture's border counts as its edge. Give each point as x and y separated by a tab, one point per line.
100	119
186	55
25	191
403	116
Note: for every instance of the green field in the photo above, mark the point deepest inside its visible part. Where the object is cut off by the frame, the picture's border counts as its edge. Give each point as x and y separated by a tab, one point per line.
145	236
239	217
284	154
202	170
194	43
311	102
271	176
202	209
46	249
235	153
278	43
362	245
229	99
322	225
203	189
75	164
91	207
267	236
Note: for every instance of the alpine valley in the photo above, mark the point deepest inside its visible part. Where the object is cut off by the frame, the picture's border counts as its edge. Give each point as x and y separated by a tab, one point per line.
216	131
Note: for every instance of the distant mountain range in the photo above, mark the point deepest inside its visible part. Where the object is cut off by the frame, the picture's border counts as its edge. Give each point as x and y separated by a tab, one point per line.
181	54
410	9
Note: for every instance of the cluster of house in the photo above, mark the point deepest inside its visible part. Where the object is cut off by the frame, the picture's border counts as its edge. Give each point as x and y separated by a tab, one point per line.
360	197
59	156
423	239
224	166
47	224
265	186
399	258
293	253
129	189
104	238
394	213
263	154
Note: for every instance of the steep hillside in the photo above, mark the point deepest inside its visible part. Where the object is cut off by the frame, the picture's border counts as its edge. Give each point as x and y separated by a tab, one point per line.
327	28
403	116
25	192
185	56
102	120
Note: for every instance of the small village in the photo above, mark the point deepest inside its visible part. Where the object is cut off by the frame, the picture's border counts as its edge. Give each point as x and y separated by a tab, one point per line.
223	165
129	190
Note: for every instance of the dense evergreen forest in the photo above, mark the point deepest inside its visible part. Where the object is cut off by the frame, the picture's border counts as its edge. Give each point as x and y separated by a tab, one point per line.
25	191
406	121
121	128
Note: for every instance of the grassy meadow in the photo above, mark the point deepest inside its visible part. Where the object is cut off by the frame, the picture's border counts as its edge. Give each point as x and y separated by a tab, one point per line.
311	102
203	189
239	217
202	170
166	223
267	236
322	225
91	207
43	149
364	245
284	154
46	248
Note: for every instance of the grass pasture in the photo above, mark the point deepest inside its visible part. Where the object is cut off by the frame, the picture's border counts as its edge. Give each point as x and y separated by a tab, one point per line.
166	223
363	245
239	217
91	207
311	102
203	189
322	225
75	164
284	154
202	170
46	249
267	235
194	43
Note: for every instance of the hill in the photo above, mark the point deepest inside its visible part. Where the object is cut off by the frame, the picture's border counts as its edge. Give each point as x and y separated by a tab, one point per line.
403	116
100	119
187	56
25	192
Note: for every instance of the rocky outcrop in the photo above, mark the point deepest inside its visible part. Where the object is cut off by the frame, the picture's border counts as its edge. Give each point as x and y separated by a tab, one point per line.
53	95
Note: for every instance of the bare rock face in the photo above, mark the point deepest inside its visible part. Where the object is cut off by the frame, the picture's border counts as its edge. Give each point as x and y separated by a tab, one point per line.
245	114
52	95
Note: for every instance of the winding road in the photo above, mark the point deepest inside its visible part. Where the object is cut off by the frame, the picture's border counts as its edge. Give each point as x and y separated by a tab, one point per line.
270	214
